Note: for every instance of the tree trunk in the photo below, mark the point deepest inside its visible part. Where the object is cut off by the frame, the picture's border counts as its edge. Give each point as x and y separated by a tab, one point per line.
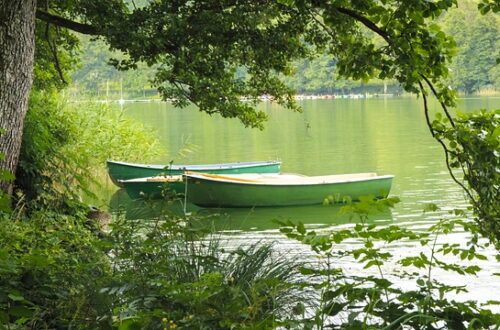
17	46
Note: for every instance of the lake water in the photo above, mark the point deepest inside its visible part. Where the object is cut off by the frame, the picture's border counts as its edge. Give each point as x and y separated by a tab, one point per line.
383	135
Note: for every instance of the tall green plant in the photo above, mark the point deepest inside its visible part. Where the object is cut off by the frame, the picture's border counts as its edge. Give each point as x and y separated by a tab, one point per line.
470	143
65	147
167	270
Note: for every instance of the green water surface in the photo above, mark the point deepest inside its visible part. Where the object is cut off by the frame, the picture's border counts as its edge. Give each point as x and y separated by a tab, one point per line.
383	135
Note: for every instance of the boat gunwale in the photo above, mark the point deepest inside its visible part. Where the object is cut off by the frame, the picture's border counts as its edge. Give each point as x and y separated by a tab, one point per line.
156	179
198	167
284	184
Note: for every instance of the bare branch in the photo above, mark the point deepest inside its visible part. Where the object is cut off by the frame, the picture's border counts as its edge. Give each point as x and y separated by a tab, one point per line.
445	109
446	151
66	23
54	51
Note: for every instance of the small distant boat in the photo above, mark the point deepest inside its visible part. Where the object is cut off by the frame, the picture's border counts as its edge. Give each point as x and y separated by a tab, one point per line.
125	171
249	190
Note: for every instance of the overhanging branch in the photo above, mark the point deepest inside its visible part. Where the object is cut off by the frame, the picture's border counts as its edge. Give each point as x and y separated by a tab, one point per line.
66	23
443	145
443	106
366	22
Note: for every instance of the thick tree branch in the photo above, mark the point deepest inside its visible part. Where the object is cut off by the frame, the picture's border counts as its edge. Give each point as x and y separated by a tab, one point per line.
66	23
366	22
355	15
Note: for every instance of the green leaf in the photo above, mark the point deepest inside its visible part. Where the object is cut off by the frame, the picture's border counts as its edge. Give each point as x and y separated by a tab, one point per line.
431	207
308	271
300	228
4	317
334	308
492	302
16	297
20	311
329	295
372	263
298	309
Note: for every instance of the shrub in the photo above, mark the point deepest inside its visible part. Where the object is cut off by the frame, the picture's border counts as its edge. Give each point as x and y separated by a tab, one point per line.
51	269
65	147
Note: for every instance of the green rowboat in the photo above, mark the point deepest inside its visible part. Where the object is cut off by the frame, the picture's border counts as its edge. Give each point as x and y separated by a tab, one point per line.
249	190
126	171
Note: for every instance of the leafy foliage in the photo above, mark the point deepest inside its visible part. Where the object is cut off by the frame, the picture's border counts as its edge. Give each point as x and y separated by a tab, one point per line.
473	144
51	269
55	56
163	270
96	77
199	47
474	64
485	6
472	68
4	197
56	273
358	301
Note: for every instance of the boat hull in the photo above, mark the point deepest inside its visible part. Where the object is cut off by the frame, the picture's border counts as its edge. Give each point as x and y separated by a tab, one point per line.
119	171
152	189
209	193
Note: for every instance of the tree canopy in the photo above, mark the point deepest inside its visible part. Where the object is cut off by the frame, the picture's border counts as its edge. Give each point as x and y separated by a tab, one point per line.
198	46
474	65
472	69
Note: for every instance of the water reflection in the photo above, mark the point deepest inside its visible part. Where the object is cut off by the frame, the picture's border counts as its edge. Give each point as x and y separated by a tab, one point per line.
239	219
121	203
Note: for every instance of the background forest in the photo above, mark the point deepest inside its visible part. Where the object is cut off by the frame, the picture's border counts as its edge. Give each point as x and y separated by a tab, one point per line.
473	68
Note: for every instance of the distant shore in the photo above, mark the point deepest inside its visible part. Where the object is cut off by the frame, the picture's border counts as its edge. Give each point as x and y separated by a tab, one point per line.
266	98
